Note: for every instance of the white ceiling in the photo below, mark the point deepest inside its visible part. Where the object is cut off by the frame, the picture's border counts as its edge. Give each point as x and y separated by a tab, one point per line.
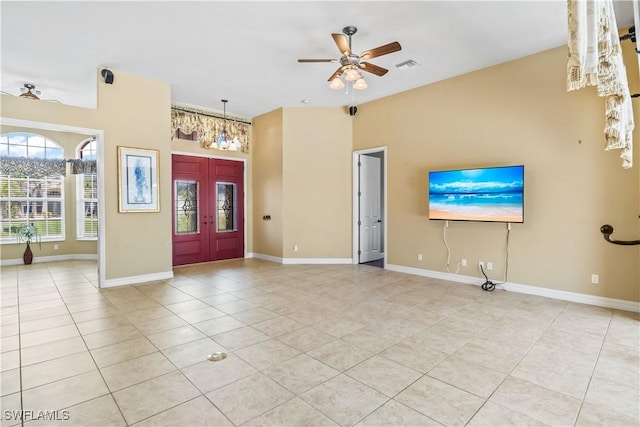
247	52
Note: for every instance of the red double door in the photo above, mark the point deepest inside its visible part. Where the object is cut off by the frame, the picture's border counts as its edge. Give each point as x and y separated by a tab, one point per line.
208	209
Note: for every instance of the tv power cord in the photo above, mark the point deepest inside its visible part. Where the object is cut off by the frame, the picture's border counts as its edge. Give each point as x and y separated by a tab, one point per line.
488	285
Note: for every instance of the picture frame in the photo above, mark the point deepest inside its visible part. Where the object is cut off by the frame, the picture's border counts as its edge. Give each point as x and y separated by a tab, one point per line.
138	180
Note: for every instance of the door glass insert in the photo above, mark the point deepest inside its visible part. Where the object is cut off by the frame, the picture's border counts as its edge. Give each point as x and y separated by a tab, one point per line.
187	207
226	206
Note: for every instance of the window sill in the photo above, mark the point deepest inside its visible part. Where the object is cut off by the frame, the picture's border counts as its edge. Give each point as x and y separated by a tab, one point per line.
15	242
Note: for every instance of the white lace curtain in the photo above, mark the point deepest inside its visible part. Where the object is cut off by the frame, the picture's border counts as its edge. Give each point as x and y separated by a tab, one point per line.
595	59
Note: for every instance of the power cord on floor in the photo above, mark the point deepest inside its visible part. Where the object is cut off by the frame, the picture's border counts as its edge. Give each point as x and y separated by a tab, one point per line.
488	285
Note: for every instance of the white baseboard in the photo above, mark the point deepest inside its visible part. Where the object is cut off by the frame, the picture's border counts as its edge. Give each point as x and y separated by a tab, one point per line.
525	289
264	257
132	280
331	261
292	261
52	258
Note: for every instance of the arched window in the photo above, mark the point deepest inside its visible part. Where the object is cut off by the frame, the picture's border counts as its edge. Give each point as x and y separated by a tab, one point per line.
87	195
33	192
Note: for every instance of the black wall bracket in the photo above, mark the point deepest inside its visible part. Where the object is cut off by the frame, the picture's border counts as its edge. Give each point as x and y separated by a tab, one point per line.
607	231
631	35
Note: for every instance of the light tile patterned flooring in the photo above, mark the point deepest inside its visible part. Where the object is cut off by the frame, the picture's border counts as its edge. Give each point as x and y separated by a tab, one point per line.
308	346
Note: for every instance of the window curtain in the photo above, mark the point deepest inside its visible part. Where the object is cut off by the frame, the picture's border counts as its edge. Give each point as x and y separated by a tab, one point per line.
595	59
207	128
40	168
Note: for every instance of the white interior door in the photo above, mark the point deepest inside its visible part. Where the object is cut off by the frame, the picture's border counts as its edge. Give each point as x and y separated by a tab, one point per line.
370	215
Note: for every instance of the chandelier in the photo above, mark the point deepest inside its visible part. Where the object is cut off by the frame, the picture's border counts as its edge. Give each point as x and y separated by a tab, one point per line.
224	140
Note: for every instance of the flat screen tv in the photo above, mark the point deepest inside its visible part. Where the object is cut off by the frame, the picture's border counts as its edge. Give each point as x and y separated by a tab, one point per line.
487	194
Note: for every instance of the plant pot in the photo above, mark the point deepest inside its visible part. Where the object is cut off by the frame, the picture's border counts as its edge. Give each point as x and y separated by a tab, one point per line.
28	255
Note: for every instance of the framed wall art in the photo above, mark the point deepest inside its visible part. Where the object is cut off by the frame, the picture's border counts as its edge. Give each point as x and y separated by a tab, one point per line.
138	180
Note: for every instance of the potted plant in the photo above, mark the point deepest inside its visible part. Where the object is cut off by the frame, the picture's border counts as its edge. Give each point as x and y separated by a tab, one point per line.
28	233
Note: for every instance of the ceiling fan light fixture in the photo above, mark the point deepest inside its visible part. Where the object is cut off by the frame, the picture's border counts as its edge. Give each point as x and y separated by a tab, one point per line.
360	84
352	75
336	83
28	92
351	64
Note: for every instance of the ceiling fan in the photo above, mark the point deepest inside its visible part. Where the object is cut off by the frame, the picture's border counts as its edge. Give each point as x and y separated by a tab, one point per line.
29	91
350	64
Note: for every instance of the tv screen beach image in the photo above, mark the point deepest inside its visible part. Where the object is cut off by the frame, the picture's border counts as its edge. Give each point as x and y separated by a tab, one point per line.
489	194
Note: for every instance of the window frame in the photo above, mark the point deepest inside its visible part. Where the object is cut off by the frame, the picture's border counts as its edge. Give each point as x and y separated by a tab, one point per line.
28	200
81	234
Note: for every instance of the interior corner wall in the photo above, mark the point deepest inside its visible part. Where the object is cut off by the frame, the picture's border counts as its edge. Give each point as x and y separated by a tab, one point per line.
69	245
514	113
266	184
132	112
317	189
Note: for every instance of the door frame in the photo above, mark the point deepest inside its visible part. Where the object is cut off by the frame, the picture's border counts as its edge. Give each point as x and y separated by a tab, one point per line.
244	176
356	206
99	134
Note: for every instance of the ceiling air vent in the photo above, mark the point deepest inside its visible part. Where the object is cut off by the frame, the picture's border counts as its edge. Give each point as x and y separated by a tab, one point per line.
406	64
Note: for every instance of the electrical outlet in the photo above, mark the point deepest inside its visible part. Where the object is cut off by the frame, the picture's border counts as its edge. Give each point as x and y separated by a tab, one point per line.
480	264
419	257
595	279
489	265
56	247
463	262
295	248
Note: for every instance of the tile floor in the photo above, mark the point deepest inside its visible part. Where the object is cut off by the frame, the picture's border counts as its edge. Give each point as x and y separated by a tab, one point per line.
307	346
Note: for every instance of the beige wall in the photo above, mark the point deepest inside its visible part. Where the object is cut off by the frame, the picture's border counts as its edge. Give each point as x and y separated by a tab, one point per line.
69	142
267	184
302	178
317	182
133	112
515	113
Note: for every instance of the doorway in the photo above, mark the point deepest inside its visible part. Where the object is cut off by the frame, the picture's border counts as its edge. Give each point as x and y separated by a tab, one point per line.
369	206
208	209
99	137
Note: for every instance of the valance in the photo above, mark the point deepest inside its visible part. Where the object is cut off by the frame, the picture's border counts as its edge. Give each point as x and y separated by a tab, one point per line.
78	167
35	168
208	127
40	168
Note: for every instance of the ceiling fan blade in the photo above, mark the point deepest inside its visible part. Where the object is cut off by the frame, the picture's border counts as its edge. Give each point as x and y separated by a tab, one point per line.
381	50
336	73
372	68
317	60
343	44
